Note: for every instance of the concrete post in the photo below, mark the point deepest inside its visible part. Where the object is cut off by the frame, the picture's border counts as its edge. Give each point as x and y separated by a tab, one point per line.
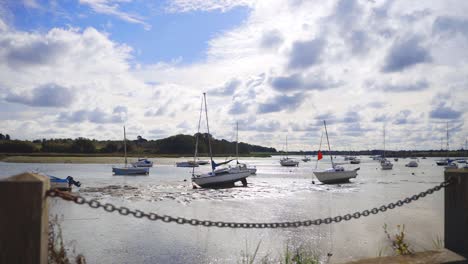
24	219
456	212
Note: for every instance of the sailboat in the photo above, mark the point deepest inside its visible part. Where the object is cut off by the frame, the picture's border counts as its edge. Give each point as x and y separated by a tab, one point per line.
385	164
445	162
242	166
335	174
286	161
217	177
126	170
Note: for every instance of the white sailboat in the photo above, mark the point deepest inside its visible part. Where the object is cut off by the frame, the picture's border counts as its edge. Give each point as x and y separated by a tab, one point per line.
448	163
412	164
286	161
242	166
129	170
143	162
335	174
385	164
217	177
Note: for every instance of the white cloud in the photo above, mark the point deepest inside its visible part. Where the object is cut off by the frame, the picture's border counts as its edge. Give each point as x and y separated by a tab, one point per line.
112	7
206	5
282	73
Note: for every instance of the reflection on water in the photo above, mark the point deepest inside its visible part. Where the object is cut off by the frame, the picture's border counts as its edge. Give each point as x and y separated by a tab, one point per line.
274	194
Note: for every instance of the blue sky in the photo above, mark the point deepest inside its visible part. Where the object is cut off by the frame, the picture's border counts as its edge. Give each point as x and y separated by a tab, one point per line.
85	68
167	37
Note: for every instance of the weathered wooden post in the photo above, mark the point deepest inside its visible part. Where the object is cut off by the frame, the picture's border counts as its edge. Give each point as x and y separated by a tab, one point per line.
24	219
456	212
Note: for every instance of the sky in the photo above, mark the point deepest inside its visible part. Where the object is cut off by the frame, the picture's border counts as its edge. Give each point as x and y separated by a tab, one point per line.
278	68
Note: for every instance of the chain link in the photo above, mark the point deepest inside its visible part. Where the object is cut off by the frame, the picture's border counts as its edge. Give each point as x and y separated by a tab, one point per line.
196	222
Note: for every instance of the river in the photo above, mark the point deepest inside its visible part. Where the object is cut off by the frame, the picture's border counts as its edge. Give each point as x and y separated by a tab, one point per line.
275	194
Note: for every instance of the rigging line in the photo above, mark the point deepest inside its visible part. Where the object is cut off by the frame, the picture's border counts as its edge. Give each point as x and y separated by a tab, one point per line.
196	138
209	135
328	142
330	230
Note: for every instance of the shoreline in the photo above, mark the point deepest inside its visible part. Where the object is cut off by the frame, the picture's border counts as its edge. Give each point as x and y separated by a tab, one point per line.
90	159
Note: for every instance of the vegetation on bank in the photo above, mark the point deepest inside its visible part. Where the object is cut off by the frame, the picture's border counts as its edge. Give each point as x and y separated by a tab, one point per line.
176	146
173	146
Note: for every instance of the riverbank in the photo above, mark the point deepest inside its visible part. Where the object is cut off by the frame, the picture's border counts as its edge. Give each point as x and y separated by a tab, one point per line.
90	158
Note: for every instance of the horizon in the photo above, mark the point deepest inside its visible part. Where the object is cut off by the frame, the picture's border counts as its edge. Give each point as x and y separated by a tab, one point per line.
85	68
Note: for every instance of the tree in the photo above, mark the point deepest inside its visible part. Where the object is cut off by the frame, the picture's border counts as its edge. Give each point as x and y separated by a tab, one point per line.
7	137
110	147
2	137
83	145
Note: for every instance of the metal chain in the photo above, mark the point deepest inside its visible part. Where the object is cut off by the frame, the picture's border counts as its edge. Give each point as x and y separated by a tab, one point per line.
195	222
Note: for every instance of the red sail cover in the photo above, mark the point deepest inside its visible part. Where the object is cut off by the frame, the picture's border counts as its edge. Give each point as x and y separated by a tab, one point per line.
319	155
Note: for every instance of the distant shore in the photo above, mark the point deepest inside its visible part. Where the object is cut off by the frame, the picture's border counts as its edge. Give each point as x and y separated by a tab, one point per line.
92	158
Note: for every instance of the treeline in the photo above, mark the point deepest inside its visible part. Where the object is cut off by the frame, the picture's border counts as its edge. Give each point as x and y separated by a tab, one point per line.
178	144
389	153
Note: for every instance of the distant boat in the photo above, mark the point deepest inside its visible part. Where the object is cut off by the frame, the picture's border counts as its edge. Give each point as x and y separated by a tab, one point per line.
461	160
222	176
306	159
384	163
395	159
286	161
62	184
355	161
143	163
451	165
126	170
335	174
189	164
412	164
202	162
446	161
242	166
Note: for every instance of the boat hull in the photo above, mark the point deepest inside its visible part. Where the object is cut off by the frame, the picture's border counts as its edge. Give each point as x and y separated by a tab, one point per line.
186	164
289	163
329	177
131	171
221	179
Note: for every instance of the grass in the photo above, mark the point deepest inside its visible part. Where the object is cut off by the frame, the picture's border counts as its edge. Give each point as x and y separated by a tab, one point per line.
438	243
298	255
398	243
57	252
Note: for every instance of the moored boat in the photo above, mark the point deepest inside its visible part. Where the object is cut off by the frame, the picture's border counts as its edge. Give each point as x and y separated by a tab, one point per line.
222	176
126	170
143	162
187	164
286	161
385	164
62	184
412	164
335	174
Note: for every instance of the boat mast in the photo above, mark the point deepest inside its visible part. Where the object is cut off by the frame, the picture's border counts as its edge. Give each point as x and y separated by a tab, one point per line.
196	138
384	141
237	141
328	142
286	147
125	148
209	135
447	141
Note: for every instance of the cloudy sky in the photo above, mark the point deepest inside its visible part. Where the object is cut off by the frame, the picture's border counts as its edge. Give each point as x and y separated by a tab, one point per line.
87	67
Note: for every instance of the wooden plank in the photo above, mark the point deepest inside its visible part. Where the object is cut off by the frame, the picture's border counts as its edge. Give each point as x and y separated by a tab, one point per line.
456	212
24	219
